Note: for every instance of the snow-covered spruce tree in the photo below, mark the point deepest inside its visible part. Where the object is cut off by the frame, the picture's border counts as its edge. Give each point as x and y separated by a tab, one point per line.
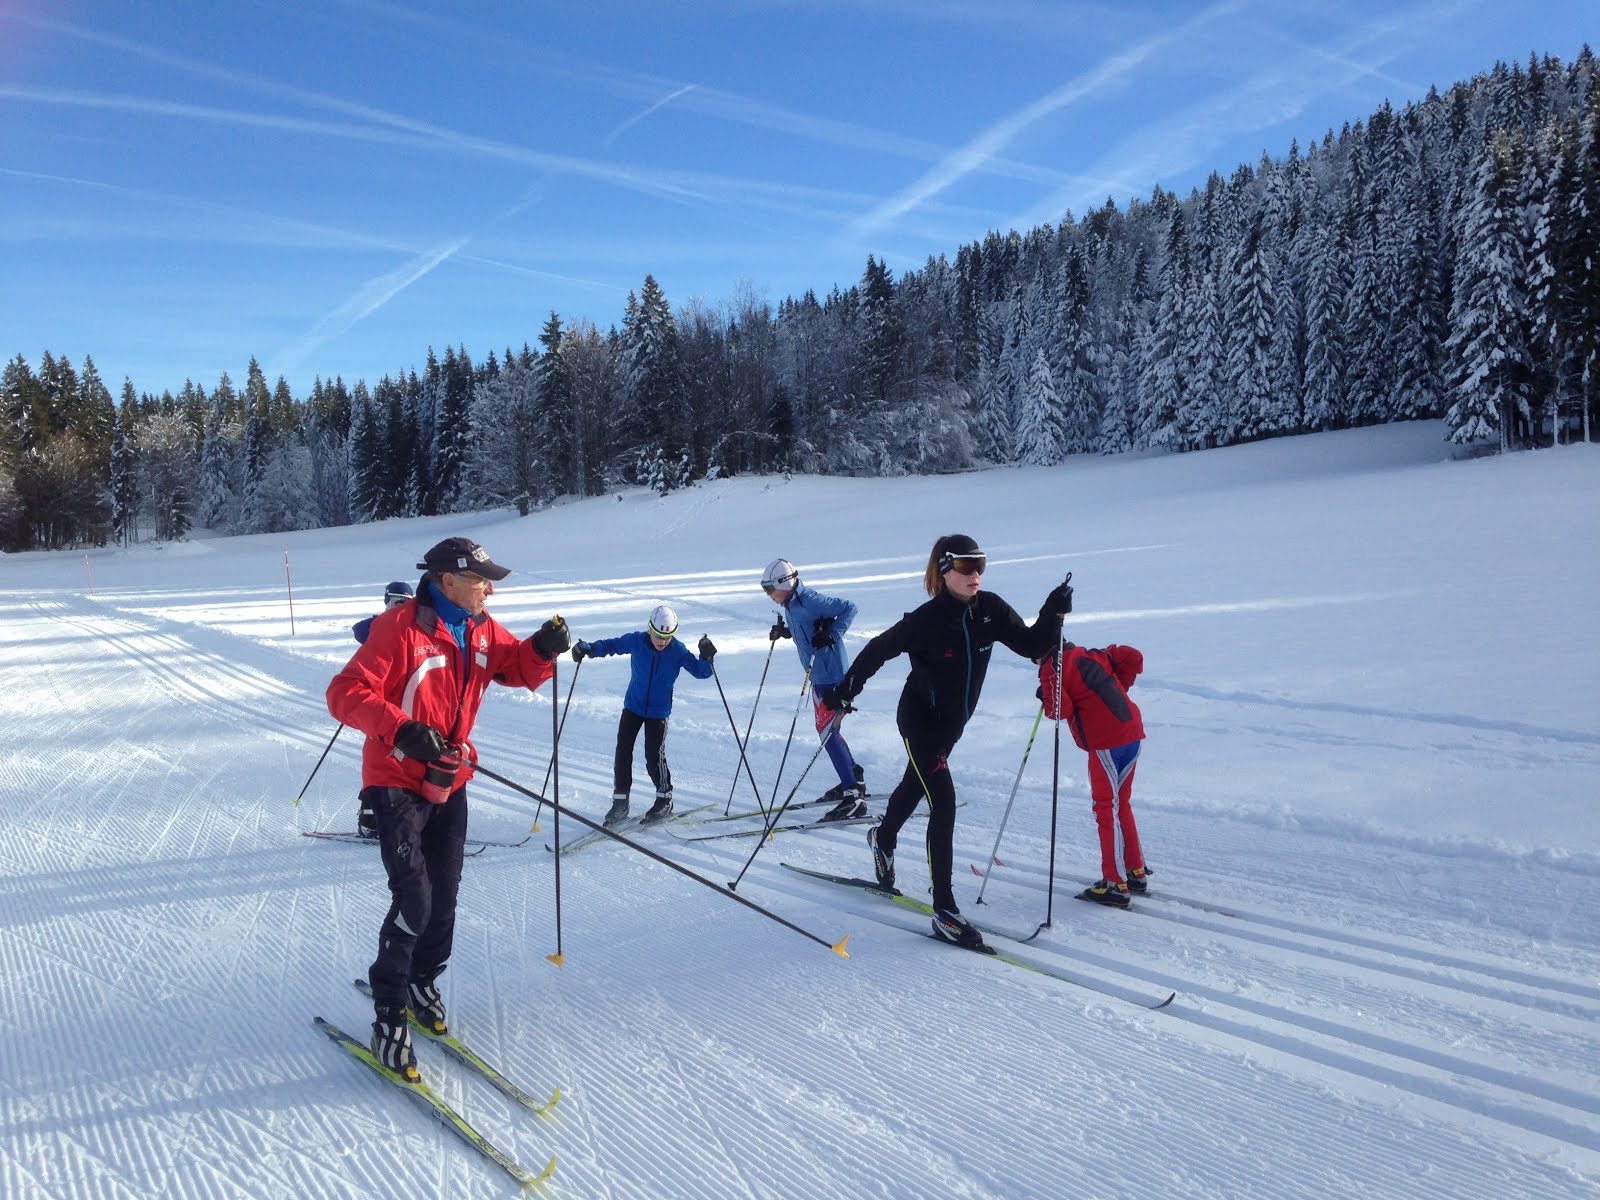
879	334
1327	286
1161	396
503	462
1583	254
284	498
222	481
1486	315
1260	409
363	453
1417	387
446	464
330	469
165	453
1038	417
558	433
124	481
653	376
992	419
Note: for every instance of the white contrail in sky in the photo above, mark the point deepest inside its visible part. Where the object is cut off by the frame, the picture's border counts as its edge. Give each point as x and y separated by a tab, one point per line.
368	299
976	153
634	120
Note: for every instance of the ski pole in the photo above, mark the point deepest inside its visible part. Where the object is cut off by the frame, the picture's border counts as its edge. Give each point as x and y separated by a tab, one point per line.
318	767
733	726
837	947
772	819
1055	783
559	958
566	704
1010	801
805	686
748	726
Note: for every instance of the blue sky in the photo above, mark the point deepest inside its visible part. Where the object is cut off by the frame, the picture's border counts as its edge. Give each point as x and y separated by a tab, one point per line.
332	187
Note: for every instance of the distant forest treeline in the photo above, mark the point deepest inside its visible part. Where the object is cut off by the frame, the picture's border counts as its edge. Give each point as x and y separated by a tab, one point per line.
1441	261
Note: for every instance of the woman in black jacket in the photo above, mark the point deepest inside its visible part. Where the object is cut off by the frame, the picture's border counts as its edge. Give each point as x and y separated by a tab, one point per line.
948	640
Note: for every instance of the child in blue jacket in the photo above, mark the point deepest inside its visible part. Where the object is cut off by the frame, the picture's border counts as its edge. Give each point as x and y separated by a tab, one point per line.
657	657
817	624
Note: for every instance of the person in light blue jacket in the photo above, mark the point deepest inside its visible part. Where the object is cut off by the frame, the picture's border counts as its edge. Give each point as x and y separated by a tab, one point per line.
817	623
657	657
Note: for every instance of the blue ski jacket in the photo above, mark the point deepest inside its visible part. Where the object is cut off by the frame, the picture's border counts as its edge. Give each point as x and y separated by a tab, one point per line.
654	671
801	610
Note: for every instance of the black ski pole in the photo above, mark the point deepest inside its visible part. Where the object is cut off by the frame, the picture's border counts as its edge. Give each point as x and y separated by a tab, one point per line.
733	726
559	958
1009	802
1055	784
750	724
805	686
772	819
318	767
565	706
837	947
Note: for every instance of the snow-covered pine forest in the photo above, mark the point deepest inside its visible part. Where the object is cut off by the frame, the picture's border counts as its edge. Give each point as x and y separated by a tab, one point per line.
1440	260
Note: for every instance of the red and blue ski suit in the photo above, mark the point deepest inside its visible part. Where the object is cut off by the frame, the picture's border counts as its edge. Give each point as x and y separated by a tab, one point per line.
1107	724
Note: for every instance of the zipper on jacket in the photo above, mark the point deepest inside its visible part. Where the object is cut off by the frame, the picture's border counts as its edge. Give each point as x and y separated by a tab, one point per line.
966	633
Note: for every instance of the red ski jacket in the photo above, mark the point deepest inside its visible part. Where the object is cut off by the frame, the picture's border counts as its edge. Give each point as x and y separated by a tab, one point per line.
411	669
1094	694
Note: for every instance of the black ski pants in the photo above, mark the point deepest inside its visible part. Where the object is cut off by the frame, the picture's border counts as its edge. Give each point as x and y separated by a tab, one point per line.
927	774
655	752
422	846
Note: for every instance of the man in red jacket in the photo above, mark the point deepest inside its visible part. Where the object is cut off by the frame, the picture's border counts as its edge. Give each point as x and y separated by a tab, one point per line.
1094	701
413	687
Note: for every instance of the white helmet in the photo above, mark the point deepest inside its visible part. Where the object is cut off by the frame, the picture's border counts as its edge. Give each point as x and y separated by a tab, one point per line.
663	621
780	575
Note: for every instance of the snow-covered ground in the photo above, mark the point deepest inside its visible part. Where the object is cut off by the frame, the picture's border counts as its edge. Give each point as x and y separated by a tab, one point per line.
1373	701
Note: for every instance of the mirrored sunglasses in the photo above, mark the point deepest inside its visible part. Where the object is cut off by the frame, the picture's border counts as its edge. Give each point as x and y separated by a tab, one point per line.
968	566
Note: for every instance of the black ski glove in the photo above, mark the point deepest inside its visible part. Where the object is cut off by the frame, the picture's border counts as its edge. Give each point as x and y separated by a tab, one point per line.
580	651
552	640
1059	602
421	741
822	633
707	650
834	698
778	630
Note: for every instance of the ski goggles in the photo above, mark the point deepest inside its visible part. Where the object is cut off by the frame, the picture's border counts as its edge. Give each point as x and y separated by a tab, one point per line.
966	564
780	585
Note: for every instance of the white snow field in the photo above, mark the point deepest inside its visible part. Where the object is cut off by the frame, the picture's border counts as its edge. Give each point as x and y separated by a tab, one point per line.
1368	794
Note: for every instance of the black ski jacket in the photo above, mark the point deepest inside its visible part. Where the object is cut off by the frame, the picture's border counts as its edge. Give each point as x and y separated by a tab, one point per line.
948	642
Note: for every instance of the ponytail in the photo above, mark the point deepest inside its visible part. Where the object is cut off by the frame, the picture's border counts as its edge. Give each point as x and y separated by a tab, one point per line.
932	577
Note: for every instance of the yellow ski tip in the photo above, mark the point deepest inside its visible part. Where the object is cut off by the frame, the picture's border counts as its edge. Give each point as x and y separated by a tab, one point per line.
839	949
558	958
543	1176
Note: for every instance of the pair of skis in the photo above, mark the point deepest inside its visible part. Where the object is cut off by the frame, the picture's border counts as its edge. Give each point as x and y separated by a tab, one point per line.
625	826
439	1108
477	845
872	887
819	823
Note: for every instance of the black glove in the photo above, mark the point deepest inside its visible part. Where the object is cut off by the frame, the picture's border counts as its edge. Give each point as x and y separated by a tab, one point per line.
1059	602
707	650
552	640
822	633
417	740
778	630
834	698
580	651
